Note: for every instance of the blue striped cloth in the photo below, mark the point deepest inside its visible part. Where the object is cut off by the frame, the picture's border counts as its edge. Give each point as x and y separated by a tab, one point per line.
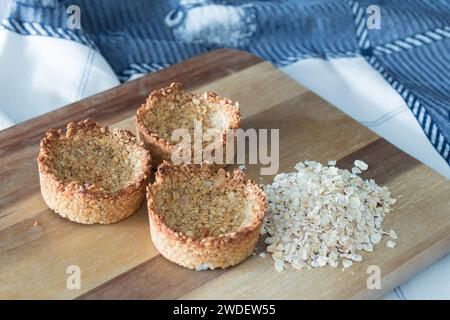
411	50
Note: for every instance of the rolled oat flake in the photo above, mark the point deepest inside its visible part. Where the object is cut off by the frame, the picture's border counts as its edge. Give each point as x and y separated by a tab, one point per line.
322	215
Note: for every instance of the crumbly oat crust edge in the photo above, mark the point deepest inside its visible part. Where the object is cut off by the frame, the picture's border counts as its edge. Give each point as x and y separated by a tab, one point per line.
171	92
47	145
236	177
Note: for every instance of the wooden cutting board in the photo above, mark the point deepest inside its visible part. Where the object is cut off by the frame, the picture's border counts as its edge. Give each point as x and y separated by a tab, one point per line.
119	261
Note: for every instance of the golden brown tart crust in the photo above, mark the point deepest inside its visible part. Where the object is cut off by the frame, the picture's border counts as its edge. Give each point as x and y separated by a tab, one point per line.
202	218
171	108
90	174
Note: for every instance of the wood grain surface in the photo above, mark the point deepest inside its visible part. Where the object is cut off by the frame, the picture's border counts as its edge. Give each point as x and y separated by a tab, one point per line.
119	260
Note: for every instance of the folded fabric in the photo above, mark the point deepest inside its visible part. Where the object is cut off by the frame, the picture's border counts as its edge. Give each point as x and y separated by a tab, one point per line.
42	73
143	36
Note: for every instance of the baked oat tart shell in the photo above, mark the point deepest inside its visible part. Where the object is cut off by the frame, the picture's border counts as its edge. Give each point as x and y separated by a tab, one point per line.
171	108
90	174
202	218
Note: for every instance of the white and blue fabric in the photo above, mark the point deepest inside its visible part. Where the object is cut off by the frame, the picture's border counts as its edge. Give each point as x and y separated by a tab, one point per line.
392	79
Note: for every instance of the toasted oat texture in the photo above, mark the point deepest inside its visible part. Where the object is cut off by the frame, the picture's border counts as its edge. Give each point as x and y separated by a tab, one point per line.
91	175
171	108
203	218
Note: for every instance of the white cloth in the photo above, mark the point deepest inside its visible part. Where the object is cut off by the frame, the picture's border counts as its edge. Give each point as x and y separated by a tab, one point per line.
40	74
356	88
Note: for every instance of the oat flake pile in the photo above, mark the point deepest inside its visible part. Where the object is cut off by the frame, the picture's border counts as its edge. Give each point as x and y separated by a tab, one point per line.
323	215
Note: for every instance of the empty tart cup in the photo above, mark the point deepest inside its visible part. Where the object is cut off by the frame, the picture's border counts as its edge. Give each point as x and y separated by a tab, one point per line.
169	109
90	174
202	218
